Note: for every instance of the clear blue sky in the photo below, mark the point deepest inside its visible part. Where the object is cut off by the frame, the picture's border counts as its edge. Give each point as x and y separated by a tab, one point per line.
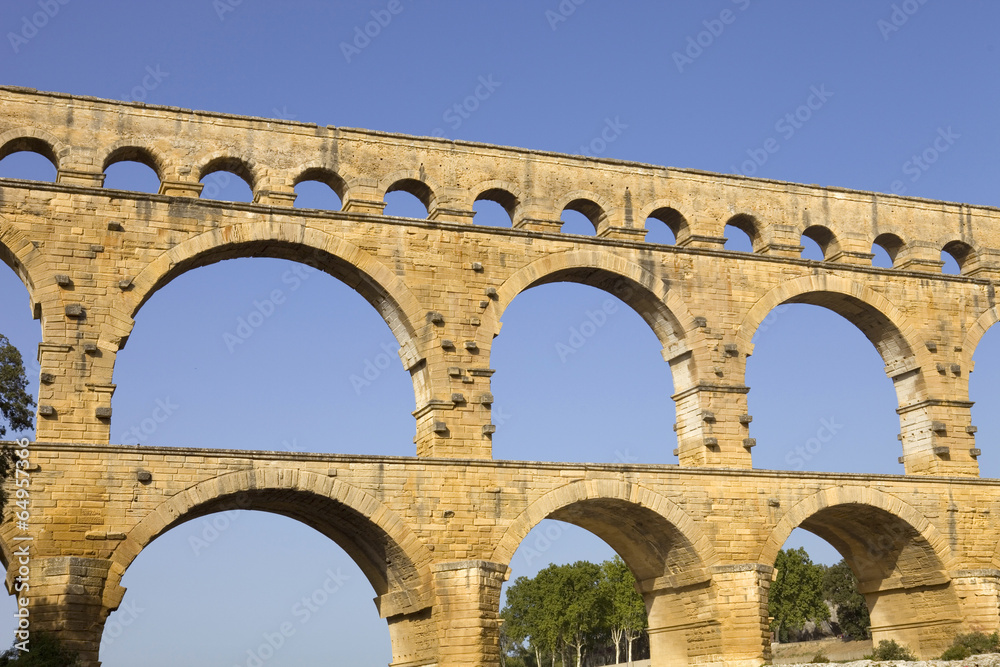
556	83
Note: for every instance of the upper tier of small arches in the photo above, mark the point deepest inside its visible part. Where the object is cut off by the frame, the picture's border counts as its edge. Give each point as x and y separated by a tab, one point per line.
635	217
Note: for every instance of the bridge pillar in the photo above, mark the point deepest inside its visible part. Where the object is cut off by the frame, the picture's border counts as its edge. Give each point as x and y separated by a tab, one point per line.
978	593
923	613
682	628
741	606
66	598
74	395
467	612
938	438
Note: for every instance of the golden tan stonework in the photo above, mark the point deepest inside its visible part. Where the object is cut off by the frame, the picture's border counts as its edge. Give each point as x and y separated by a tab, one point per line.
434	534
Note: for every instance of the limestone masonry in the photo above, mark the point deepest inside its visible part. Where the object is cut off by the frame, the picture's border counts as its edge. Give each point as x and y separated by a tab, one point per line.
435	533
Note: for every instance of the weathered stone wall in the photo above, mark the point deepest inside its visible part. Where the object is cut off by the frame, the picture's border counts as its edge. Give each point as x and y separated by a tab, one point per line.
433	534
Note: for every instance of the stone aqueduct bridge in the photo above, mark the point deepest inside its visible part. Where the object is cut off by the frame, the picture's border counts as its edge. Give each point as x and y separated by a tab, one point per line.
435	533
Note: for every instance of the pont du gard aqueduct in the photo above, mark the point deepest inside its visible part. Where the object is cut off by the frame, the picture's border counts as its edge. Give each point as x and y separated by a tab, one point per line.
435	533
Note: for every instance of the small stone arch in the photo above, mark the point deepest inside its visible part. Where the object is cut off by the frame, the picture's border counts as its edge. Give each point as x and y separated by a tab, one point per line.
669	213
749	224
507	194
963	253
322	174
414	182
824	238
128	150
593	206
36	141
243	167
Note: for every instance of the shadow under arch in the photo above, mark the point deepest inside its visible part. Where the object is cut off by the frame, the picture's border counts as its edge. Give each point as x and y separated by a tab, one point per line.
974	336
18	253
660	308
901	560
342	260
395	562
130	151
35	141
666	551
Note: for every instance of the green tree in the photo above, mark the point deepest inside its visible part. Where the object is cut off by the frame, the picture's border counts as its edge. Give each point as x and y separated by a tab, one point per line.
585	607
627	618
796	594
15	406
46	651
528	616
840	587
15	402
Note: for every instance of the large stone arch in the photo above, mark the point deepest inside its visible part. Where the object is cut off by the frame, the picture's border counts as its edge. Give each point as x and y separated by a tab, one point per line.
902	562
875	316
21	255
392	557
647	295
664	548
596	506
367	275
975	334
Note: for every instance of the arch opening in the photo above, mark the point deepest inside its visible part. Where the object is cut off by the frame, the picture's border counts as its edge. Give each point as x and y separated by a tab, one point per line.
227	179
828	397
495	207
742	233
582	216
665	226
819	243
23	333
321	189
315	379
885	248
957	257
570	336
319	560
132	168
984	391
661	559
891	553
28	158
408	198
